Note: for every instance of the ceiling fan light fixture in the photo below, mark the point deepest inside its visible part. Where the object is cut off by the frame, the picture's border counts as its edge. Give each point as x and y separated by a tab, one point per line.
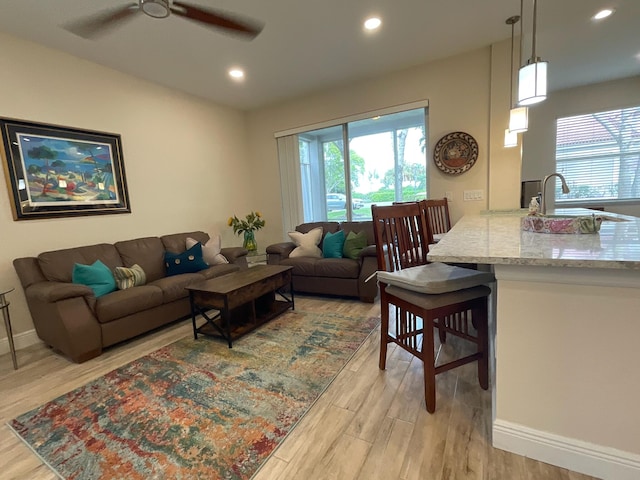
155	8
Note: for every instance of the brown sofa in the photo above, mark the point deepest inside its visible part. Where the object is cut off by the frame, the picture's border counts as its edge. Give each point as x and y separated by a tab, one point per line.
331	276
68	316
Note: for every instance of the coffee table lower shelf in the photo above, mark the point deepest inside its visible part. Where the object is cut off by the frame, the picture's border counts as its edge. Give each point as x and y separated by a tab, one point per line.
242	320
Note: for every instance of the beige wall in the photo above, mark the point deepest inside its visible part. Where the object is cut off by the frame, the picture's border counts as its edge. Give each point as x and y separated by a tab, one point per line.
458	90
539	142
185	158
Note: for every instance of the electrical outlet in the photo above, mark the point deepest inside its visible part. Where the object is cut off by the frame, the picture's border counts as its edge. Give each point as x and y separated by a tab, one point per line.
449	196
473	195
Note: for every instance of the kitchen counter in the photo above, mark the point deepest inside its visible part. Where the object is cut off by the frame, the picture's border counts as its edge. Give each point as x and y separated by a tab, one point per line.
565	326
495	237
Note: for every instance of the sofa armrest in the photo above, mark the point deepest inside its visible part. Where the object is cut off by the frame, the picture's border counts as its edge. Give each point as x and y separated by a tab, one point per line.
236	255
279	251
368	251
64	317
50	292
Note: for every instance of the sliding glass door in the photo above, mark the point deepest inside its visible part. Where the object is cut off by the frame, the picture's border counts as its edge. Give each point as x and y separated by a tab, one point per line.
385	162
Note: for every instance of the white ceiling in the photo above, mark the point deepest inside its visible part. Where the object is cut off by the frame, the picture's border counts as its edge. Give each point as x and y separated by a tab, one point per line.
310	45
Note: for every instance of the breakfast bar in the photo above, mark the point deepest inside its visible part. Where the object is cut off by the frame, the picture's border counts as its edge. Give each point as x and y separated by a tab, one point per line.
566	326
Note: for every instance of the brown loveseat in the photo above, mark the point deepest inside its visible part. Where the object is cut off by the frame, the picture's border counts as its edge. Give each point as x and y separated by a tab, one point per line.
331	276
68	316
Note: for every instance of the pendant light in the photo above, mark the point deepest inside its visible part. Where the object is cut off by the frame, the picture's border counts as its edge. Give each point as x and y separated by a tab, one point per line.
518	116
532	77
510	139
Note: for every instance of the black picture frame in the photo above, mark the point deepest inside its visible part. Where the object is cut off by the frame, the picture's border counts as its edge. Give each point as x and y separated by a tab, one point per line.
55	171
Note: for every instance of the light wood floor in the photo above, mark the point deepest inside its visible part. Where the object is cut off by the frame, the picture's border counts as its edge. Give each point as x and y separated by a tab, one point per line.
368	425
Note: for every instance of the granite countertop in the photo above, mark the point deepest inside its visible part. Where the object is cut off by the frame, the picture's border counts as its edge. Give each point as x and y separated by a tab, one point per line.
496	237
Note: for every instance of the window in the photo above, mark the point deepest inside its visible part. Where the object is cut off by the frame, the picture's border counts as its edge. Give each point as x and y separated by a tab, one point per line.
385	162
599	156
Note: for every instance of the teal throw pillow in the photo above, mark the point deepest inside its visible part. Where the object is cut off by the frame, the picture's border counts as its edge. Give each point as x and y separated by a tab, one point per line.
354	244
189	261
332	244
97	276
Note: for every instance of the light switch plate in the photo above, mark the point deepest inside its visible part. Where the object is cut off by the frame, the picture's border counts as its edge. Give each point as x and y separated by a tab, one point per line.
473	195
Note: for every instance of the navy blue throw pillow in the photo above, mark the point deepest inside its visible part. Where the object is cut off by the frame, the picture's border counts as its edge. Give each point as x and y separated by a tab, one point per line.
189	261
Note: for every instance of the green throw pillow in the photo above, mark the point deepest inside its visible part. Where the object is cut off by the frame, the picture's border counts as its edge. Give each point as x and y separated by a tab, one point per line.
98	277
189	261
332	244
354	244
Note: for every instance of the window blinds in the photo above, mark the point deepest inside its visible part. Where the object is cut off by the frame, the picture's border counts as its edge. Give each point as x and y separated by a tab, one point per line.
599	155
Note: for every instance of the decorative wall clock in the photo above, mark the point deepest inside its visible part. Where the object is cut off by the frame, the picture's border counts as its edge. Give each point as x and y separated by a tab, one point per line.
455	153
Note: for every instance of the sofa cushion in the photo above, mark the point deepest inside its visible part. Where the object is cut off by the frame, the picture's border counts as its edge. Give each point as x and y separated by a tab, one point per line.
302	266
57	265
177	242
332	244
306	243
354	244
337	268
96	276
323	267
129	277
147	252
173	287
121	303
210	250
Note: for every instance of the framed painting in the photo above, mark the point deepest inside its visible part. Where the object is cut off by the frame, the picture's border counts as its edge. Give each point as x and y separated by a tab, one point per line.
55	171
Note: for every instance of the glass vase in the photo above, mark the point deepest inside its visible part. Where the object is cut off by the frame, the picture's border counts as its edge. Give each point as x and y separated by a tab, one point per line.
250	241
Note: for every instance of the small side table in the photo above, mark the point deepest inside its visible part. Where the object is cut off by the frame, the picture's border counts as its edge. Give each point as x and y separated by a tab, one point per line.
4	306
256	258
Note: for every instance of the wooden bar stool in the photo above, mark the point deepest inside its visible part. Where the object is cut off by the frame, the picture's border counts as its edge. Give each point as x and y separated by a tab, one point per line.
427	295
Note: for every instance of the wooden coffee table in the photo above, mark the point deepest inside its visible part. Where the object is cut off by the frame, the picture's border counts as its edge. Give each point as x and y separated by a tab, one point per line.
244	300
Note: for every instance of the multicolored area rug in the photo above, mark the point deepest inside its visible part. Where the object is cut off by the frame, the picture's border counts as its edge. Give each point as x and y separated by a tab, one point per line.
195	409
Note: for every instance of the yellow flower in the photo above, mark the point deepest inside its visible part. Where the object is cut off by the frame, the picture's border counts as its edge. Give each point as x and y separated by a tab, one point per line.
258	214
230	221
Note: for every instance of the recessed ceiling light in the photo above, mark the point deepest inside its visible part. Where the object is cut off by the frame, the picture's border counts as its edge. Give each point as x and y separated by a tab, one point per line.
372	23
236	73
602	14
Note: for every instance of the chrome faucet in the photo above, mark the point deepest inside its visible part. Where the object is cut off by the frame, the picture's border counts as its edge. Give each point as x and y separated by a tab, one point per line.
543	199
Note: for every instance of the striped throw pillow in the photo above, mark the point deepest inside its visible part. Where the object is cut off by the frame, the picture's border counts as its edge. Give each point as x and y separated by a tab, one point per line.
129	277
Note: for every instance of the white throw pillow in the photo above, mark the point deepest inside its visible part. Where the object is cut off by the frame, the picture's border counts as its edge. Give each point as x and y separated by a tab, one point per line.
211	250
306	243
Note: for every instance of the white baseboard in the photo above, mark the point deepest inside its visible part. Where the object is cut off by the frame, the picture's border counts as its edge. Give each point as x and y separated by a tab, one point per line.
20	340
583	457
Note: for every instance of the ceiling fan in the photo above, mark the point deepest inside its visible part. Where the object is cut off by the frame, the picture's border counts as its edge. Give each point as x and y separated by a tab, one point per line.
98	24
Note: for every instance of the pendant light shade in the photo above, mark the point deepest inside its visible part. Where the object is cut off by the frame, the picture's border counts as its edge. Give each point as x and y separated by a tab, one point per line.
519	119
532	77
518	116
510	139
532	83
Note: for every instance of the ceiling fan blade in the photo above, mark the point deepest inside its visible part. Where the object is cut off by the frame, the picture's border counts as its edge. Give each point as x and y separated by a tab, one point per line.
96	25
245	27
